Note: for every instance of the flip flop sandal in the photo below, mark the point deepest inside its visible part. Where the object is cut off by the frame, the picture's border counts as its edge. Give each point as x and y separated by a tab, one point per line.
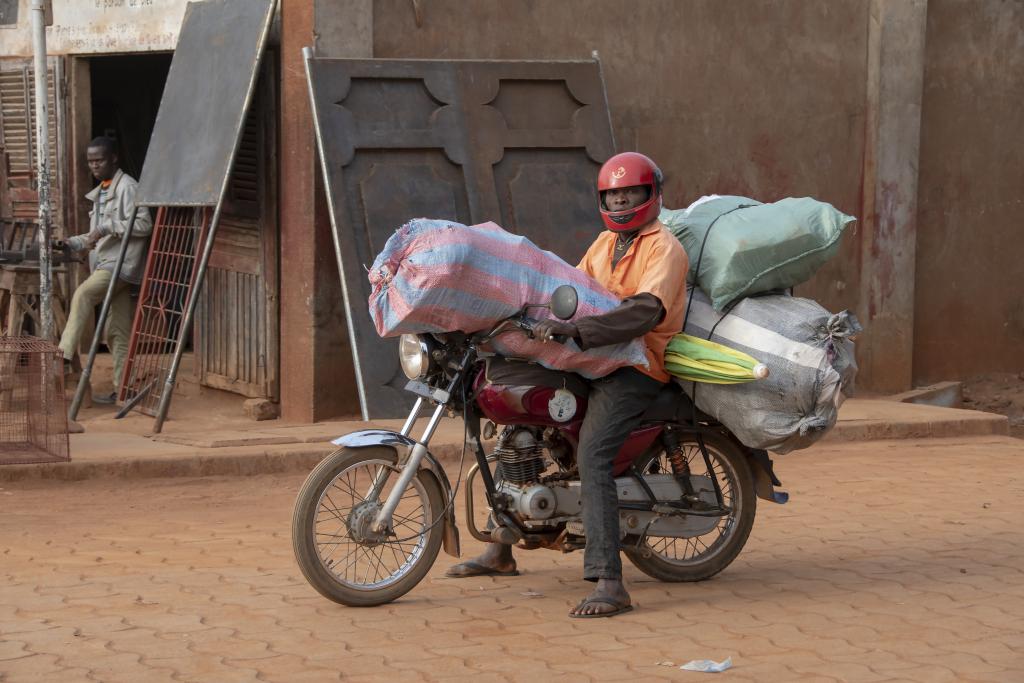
619	608
477	569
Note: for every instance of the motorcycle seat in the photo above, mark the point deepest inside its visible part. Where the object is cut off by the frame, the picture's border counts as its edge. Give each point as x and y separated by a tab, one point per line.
515	372
673	405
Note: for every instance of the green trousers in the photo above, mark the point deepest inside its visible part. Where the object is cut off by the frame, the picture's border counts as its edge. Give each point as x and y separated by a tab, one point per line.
119	320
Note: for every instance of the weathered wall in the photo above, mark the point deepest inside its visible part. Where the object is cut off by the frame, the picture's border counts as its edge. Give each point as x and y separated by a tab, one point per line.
99	26
969	304
763	99
317	376
895	59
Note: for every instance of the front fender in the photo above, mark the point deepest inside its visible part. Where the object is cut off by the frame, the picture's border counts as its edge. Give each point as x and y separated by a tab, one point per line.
402	445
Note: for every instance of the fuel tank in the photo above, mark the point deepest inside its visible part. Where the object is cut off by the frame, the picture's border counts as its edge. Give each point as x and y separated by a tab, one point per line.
510	392
519	393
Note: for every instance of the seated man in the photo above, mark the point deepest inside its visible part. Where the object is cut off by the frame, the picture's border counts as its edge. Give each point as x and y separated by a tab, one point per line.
639	261
113	205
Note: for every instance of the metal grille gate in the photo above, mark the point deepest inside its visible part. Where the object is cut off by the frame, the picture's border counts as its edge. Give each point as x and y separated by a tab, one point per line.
178	235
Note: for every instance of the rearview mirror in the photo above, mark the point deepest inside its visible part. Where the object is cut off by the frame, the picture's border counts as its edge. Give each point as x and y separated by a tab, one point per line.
564	302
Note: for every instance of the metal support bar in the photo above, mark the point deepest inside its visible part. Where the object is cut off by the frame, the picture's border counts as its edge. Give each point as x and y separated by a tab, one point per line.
604	91
83	381
134	400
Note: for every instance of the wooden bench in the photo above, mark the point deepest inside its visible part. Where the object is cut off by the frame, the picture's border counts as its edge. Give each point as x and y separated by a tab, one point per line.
19	281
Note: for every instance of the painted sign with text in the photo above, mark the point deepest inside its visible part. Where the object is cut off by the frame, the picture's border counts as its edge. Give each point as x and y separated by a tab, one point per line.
100	27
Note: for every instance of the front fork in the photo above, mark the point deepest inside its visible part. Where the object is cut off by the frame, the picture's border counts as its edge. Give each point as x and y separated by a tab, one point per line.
382	521
408	469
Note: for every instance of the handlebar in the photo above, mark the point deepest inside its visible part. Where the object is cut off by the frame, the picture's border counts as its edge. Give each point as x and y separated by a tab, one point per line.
526	324
520	321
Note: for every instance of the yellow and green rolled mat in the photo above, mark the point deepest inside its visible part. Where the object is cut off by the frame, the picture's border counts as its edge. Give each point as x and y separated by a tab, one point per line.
698	360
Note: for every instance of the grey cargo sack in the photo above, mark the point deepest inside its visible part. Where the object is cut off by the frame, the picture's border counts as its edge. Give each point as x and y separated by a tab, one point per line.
809	354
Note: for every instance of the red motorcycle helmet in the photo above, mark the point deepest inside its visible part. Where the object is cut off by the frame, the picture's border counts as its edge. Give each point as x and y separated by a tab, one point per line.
626	170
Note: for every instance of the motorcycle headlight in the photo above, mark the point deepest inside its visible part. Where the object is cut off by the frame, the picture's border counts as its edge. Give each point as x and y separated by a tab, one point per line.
414	355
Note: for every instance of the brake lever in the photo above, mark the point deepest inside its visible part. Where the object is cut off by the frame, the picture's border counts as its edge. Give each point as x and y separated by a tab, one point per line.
526	323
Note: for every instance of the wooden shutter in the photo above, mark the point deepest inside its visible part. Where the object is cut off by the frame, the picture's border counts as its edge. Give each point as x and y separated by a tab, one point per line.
18	137
236	324
243	185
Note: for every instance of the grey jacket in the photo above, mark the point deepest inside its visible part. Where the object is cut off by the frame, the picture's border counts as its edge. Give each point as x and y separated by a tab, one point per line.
111	221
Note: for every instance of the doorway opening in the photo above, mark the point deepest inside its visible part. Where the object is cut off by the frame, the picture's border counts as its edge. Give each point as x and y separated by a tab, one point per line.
117	96
125	96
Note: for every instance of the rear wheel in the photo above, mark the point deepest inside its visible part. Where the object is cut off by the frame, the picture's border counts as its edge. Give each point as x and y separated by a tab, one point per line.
701	557
332	536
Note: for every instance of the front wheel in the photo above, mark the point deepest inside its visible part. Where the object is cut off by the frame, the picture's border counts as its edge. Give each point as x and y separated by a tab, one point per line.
337	550
700	557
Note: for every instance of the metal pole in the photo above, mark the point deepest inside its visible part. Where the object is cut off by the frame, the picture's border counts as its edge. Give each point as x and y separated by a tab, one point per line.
186	325
604	93
43	169
83	381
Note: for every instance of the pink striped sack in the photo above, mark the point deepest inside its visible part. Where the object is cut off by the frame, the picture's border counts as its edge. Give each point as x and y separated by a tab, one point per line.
439	276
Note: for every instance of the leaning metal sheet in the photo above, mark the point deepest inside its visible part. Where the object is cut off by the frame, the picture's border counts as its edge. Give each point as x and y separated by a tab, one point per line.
203	107
517	143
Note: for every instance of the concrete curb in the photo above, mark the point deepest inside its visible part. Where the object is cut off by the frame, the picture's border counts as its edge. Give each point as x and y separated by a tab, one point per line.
236	463
998	425
870	424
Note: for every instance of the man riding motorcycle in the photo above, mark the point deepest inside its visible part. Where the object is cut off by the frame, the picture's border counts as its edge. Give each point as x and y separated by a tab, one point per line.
639	261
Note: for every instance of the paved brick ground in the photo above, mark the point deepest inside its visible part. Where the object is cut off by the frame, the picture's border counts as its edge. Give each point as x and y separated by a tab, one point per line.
894	561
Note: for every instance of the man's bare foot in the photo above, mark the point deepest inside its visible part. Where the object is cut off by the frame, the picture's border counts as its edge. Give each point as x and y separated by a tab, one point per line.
608	599
496	560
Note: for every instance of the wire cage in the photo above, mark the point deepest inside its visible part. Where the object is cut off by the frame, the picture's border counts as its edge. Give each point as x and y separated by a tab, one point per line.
33	414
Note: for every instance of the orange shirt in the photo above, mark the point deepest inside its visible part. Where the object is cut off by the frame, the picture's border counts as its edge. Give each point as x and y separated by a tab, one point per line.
655	263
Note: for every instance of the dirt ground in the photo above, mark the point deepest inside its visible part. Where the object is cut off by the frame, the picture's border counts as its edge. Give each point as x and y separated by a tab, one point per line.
193	408
1001	393
893	561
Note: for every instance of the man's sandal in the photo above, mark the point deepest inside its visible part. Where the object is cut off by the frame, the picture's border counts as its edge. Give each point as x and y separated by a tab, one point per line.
619	608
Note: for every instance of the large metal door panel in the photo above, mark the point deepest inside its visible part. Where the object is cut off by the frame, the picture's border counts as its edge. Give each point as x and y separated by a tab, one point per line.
518	143
548	196
195	143
208	89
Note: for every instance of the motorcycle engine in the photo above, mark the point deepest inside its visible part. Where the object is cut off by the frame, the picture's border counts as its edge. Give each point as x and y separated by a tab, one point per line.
521	456
522	462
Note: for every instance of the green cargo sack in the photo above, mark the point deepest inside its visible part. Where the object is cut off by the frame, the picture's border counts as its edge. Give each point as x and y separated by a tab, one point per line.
753	247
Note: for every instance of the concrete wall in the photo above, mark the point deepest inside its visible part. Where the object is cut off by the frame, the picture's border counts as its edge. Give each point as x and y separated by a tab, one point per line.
779	98
765	99
969	303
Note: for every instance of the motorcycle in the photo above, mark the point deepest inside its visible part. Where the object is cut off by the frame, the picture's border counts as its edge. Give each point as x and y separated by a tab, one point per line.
371	518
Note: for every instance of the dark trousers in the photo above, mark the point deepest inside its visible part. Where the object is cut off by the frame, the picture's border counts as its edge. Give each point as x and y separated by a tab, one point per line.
614	408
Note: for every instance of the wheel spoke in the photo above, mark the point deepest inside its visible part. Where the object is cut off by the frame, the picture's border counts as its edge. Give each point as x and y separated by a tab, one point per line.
368	565
698	548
